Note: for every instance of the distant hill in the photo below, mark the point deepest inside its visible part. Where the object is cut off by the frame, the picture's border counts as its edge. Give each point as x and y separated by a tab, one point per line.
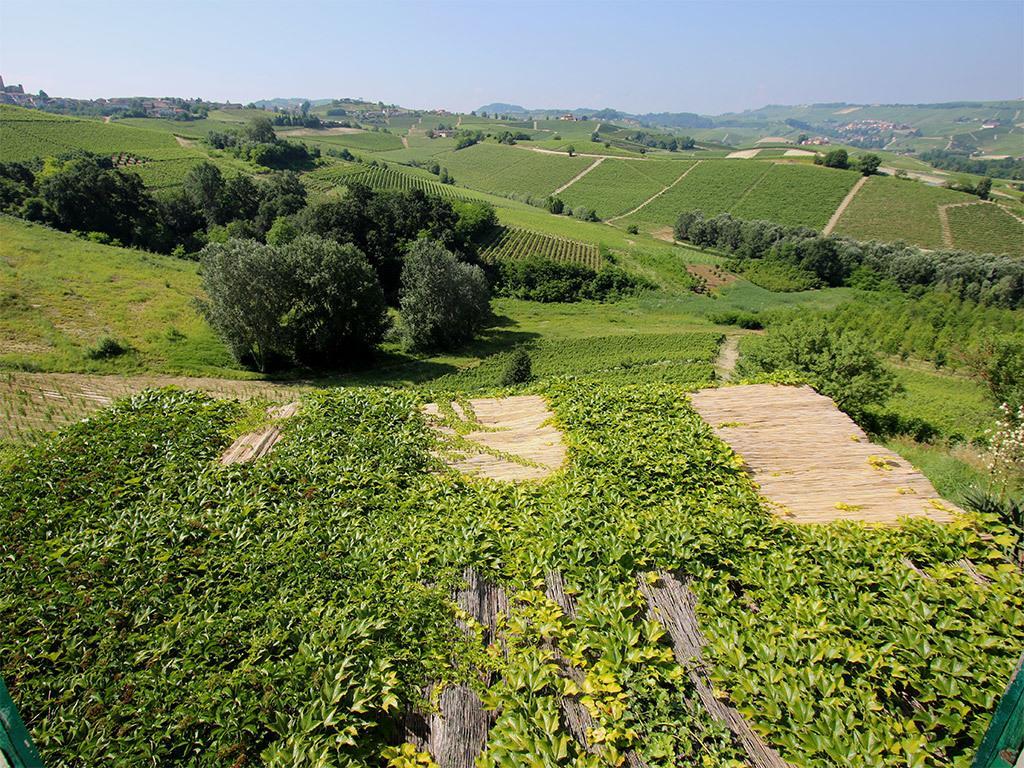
502	108
289	103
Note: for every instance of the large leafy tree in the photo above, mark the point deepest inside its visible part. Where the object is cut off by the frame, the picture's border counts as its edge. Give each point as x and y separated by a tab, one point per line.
249	292
311	302
337	313
87	194
444	301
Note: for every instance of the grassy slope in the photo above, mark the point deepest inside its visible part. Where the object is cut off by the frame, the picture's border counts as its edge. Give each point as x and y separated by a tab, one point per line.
60	295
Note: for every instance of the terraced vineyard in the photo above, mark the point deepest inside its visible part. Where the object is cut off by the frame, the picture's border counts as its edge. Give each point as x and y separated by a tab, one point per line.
890	209
511	170
618	186
515	243
383	177
714	186
795	195
26	134
986	228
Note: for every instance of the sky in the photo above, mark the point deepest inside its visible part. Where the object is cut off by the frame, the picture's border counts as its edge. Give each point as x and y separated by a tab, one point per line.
635	56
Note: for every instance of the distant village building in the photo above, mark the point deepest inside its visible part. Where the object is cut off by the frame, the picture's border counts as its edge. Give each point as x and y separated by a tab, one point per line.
816	141
991	124
568	116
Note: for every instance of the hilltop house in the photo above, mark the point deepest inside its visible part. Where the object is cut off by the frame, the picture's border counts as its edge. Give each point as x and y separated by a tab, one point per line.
568	116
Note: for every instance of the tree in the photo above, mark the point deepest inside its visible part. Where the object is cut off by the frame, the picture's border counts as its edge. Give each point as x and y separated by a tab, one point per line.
868	164
571	150
261	130
204	186
337	313
839	364
444	302
88	195
311	301
837	158
248	293
983	188
282	231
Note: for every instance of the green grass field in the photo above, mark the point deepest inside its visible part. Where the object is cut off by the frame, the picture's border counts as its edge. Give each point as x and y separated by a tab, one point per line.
986	228
61	295
891	209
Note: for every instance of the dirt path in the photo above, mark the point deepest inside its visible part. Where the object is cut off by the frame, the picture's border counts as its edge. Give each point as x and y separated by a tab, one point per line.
655	196
535	126
458	122
728	356
742	154
843	205
405	142
579	176
544	151
812	462
182	141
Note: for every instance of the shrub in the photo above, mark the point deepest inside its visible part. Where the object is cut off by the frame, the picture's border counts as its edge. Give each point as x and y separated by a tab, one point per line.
842	365
444	302
539	279
106	348
746	320
633	229
585	214
518	369
779	276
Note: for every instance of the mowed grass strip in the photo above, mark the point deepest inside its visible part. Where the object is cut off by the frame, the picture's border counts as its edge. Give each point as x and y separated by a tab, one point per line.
986	228
796	195
891	209
59	295
507	170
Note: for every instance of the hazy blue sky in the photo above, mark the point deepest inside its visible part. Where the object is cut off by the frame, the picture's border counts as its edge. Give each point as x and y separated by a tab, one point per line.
636	56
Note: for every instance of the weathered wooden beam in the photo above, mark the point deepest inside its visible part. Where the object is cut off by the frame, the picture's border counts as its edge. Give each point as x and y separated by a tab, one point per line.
673	604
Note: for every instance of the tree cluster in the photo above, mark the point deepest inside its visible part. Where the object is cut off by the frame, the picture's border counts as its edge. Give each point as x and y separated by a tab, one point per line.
961	162
84	193
833	261
258	144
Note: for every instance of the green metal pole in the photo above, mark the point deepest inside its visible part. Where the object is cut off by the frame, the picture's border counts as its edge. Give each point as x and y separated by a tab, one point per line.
16	745
1003	743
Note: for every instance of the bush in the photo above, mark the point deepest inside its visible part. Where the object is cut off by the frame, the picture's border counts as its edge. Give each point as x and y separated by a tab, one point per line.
518	369
841	365
444	302
106	348
633	229
585	214
539	279
747	320
779	276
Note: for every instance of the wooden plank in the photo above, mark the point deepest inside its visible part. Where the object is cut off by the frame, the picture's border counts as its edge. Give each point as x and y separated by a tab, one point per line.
260	442
812	462
456	734
673	604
